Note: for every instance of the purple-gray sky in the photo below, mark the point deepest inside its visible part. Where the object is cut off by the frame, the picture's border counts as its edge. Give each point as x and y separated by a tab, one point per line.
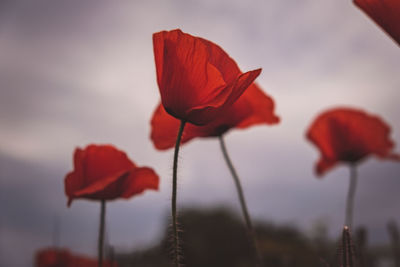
79	72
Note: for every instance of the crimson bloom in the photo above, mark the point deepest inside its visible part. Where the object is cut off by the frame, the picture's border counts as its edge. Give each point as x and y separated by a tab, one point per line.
196	78
349	135
203	86
54	257
102	172
386	13
198	82
252	108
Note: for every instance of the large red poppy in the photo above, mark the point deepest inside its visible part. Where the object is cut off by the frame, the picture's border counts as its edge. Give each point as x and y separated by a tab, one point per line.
55	257
102	172
349	135
253	107
196	78
386	13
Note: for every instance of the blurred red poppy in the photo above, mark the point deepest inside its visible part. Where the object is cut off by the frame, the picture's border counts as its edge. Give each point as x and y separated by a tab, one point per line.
196	78
253	107
349	135
54	257
386	13
102	172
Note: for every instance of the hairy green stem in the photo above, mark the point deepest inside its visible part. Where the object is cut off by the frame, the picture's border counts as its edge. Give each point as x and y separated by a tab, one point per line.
174	195
347	250
250	229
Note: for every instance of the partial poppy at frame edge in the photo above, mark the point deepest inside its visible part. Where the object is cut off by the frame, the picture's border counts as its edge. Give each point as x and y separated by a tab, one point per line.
385	13
197	79
349	135
102	172
254	107
52	256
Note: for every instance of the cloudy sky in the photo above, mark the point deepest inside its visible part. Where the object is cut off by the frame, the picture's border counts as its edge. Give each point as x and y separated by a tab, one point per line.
79	72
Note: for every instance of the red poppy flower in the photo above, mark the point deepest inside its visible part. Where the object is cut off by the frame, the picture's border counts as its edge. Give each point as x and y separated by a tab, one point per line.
196	78
349	135
253	107
386	13
54	257
102	172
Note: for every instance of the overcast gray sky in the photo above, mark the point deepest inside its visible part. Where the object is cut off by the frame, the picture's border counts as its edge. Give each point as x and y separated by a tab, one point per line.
80	72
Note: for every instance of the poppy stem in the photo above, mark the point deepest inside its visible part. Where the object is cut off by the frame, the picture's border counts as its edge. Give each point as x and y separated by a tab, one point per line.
101	232
250	229
350	196
347	249
174	195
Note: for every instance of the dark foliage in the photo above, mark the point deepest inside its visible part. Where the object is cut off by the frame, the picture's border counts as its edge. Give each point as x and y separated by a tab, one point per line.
217	238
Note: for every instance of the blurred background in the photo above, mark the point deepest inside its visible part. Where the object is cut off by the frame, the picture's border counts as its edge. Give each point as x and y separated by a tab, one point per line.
78	72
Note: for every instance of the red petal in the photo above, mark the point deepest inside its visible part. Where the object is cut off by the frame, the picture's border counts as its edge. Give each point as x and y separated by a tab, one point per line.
105	160
206	113
349	135
139	180
324	165
71	184
106	188
386	13
394	156
83	261
164	129
101	172
185	77
56	257
221	60
253	107
262	108
196	78
52	257
75	180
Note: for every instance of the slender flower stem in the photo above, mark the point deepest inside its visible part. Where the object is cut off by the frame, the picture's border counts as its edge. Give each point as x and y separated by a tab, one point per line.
347	250
174	195
245	212
350	196
101	232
